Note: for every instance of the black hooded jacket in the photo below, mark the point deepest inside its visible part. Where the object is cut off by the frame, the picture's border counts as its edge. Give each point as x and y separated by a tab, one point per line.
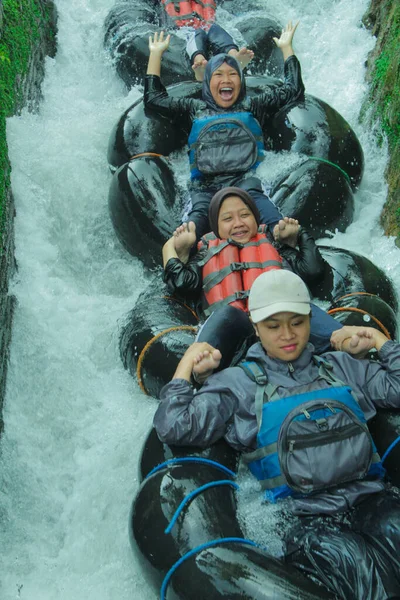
183	111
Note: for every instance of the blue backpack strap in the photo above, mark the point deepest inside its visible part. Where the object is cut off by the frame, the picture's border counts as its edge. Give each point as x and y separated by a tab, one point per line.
264	391
326	372
255	371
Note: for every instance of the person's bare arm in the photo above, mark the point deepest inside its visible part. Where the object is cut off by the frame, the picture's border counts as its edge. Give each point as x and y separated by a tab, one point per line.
285	40
169	251
157	46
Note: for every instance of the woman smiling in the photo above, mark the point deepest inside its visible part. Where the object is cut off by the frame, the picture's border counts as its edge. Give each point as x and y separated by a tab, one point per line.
300	421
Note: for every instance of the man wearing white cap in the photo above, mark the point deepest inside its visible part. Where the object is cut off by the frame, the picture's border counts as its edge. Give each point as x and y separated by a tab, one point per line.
300	420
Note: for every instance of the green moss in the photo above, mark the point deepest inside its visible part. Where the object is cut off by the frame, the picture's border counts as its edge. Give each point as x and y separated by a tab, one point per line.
22	21
386	80
384	76
4	169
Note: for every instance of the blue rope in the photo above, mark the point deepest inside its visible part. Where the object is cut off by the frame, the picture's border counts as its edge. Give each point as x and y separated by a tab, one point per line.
195	493
196	459
195	551
390	448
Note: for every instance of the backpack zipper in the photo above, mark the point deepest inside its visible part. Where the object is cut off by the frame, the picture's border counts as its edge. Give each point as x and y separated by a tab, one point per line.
312	440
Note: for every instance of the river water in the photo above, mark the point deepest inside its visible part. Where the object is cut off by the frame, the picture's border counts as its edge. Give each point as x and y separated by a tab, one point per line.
75	421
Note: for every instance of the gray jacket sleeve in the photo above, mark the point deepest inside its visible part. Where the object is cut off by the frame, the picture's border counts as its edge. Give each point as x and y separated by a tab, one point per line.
186	417
376	384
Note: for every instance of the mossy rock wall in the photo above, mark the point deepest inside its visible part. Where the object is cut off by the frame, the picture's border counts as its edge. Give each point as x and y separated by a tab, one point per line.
383	18
27	35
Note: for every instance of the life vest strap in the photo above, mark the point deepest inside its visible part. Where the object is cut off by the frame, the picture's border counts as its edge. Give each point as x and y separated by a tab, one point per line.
260	453
186	17
326	372
265	391
210	4
214	278
273	482
232	298
213	251
259	242
255	371
176	3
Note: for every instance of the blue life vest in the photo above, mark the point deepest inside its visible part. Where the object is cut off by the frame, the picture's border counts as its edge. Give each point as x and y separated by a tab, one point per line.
312	440
225	143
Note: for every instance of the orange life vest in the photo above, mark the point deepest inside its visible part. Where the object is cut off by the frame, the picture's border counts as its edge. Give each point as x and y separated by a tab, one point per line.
229	269
193	13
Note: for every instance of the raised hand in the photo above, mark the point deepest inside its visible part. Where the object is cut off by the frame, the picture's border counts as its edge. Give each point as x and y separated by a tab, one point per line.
158	43
157	46
285	40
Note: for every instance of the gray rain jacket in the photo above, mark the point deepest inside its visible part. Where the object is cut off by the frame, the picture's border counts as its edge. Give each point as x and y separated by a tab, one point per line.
224	406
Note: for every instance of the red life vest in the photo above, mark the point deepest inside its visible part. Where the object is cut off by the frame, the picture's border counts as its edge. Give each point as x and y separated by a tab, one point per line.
192	13
230	269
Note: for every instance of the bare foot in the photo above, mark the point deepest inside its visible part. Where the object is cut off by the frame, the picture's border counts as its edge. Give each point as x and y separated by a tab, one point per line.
287	231
199	67
205	363
184	239
357	341
243	56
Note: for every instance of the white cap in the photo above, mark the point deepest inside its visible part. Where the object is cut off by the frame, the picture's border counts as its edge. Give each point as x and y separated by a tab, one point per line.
278	291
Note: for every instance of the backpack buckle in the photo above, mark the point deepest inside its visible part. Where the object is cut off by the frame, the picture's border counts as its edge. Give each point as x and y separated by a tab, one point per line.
322	424
237	266
243	295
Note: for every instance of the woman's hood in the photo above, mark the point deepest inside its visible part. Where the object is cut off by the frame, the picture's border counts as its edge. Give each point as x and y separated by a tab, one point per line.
214	63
